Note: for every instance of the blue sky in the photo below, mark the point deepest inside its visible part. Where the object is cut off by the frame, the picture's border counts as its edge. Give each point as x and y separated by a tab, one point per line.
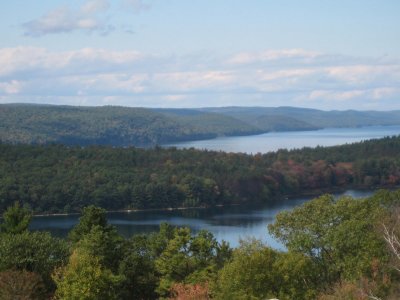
178	53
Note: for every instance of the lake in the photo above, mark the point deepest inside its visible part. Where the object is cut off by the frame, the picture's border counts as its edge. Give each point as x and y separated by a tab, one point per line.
233	222
230	223
289	140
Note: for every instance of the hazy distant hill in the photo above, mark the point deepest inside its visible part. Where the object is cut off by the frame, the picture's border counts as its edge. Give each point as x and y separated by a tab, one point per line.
216	123
124	126
312	117
119	126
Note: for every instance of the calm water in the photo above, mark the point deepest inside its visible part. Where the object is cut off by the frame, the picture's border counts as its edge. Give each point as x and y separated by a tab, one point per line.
289	140
226	223
235	222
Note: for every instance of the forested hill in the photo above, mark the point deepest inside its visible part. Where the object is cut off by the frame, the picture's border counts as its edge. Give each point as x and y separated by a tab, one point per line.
56	178
309	117
107	125
126	126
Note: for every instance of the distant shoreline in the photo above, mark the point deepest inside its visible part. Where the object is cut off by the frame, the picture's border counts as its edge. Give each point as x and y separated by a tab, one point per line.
314	193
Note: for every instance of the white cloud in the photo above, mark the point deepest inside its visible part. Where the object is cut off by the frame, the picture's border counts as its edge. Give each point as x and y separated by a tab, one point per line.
136	5
359	74
88	18
280	74
99	76
190	81
270	55
367	94
94	6
10	88
337	95
22	61
383	92
175	98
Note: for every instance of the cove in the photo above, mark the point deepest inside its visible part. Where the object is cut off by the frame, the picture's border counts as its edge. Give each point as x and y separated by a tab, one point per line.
229	223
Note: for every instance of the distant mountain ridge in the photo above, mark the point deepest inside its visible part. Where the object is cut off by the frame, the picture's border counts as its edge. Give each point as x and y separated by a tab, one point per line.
314	117
129	126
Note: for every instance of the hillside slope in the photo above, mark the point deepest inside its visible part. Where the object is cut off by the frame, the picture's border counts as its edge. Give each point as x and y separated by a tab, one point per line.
312	117
128	126
118	126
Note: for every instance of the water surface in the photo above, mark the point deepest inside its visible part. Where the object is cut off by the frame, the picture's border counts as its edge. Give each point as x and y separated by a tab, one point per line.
292	139
230	223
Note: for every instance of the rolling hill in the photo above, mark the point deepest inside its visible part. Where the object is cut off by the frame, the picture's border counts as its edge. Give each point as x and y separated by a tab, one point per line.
129	126
117	126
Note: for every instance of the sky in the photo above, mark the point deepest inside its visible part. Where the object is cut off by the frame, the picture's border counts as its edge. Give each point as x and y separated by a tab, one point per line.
325	54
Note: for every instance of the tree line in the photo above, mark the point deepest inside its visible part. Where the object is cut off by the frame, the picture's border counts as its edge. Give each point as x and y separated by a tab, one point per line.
59	178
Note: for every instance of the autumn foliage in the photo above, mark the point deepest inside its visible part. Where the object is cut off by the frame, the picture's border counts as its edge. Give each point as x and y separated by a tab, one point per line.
180	291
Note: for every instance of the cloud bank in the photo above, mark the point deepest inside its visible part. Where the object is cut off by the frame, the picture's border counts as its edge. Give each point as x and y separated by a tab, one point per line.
271	78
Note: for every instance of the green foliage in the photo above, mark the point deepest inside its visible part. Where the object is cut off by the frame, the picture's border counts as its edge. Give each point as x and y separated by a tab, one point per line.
345	290
144	267
258	272
174	263
65	179
390	200
339	236
106	245
85	278
217	124
110	125
92	216
138	268
16	219
126	126
35	252
188	259
334	250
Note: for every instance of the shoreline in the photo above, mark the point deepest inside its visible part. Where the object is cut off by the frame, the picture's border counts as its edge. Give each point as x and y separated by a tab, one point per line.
138	210
311	194
178	144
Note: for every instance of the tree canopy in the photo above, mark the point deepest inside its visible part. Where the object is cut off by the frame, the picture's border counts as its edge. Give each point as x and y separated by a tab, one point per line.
58	178
334	249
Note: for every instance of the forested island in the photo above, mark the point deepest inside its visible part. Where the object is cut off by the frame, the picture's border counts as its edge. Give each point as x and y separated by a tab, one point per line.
147	127
64	179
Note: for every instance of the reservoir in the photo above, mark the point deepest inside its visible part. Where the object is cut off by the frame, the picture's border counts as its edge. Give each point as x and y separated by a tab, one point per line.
229	223
274	141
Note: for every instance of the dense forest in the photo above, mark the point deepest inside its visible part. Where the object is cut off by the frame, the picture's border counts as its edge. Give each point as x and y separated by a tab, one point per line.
308	117
116	126
335	250
58	178
127	126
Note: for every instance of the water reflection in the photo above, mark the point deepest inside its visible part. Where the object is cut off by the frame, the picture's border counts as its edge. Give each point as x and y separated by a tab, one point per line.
229	223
